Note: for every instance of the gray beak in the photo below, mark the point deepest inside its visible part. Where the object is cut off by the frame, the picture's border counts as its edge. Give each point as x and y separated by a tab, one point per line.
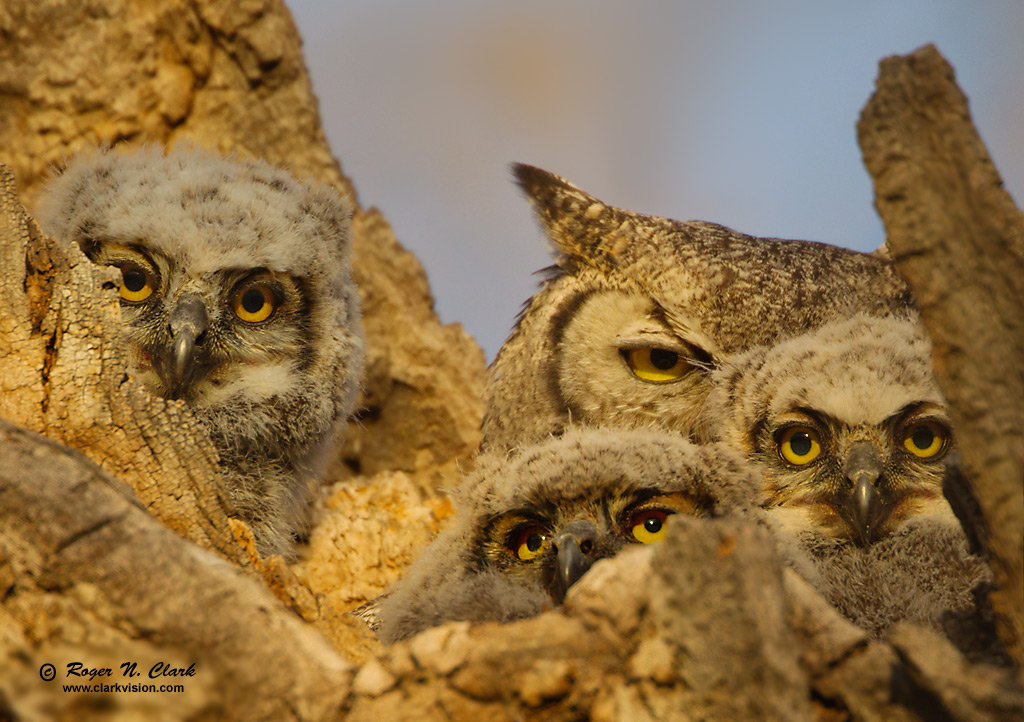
575	544
864	509
187	325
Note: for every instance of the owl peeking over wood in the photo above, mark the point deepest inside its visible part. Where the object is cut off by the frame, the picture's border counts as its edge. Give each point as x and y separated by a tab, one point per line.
529	527
851	435
236	297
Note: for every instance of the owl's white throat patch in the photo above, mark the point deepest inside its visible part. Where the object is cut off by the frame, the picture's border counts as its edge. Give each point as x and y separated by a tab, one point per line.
256	383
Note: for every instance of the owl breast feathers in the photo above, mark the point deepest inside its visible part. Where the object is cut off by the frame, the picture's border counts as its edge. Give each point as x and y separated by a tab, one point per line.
528	527
637	310
237	297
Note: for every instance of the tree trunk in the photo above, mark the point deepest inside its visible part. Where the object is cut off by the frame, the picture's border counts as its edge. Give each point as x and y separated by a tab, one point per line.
957	238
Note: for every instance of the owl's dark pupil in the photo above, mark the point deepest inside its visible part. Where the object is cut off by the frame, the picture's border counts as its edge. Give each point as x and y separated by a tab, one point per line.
923	437
534	542
134	280
800	444
252	300
653	524
663	359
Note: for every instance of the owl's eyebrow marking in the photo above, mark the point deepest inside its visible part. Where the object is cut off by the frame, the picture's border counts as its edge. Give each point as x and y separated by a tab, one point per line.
929	409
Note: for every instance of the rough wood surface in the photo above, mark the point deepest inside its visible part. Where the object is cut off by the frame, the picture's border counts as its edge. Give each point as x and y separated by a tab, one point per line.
673	631
956	236
370	530
90	576
231	76
705	625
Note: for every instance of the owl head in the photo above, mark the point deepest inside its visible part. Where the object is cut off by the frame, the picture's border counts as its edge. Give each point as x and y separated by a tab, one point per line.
236	296
230	270
637	310
529	527
846	424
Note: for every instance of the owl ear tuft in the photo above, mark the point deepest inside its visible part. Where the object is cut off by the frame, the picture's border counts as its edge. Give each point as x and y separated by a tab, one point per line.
581	227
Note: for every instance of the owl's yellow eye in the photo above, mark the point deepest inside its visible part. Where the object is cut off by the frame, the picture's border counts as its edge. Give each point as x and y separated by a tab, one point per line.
254	304
530	543
648	526
924	439
136	285
799	445
659	365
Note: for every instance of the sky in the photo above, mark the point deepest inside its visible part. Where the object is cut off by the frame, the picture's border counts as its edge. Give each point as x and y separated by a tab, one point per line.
741	112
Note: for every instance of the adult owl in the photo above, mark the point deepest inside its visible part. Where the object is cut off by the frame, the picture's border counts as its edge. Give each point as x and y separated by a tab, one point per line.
527	528
637	310
236	297
850	433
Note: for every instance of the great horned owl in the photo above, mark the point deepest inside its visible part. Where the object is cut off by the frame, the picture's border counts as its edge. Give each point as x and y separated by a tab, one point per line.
846	424
849	431
528	528
236	297
638	309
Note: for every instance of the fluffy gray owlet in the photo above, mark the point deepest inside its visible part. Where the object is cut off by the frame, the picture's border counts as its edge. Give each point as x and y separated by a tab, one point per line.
527	528
850	431
236	297
638	309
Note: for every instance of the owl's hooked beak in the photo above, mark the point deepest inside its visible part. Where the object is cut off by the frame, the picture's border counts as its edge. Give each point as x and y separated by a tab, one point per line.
574	544
865	509
187	324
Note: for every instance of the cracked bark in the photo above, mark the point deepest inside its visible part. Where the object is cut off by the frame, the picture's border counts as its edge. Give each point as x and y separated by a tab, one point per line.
956	236
119	586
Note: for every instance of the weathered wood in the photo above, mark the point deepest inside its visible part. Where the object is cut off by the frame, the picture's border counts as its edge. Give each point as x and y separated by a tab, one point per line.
692	628
91	577
956	236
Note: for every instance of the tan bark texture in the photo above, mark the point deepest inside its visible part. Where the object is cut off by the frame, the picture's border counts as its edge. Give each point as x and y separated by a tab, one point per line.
89	576
956	236
230	76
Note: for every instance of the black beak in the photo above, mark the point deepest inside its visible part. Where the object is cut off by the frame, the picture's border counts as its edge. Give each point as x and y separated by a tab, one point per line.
574	545
865	509
187	325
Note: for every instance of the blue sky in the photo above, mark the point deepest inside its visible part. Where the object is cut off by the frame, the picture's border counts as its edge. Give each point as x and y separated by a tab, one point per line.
738	111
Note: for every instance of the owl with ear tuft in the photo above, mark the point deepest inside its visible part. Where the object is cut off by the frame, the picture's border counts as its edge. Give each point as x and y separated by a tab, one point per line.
237	298
851	435
527	528
637	310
